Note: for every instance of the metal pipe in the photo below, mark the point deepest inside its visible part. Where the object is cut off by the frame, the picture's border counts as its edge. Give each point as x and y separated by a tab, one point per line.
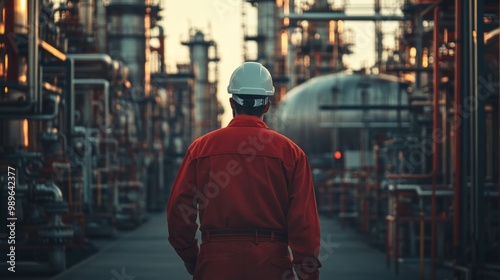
498	161
477	141
54	98
101	57
325	16
161	37
51	188
422	246
71	59
105	85
364	107
33	10
457	172
85	11
435	158
13	107
9	22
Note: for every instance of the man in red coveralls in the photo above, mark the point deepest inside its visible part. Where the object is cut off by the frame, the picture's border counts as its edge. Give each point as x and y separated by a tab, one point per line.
253	190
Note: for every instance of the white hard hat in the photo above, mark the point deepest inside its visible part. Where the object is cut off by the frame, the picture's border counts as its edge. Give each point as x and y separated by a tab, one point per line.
251	78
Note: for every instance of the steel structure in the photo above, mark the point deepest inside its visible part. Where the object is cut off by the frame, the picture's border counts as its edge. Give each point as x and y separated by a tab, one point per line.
428	188
90	122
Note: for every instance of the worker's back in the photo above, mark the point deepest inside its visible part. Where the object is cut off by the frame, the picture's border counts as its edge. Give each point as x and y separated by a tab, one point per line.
252	189
245	172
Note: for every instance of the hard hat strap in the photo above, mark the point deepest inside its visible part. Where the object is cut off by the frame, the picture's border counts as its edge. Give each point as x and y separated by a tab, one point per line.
251	102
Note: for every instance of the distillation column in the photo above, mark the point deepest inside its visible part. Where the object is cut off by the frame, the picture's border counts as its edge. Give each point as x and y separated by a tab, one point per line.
198	52
267	29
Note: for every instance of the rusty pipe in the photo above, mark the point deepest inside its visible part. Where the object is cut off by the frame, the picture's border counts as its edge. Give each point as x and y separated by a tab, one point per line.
457	127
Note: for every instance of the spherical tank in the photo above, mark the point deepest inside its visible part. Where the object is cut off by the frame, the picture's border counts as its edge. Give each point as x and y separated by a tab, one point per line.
349	108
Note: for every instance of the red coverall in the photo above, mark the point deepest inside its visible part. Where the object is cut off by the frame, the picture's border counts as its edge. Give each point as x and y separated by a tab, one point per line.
245	176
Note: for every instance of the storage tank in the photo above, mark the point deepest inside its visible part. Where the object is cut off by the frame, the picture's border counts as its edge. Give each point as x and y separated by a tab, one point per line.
344	111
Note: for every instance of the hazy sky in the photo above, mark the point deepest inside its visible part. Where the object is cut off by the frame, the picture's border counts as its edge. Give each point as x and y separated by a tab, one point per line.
222	19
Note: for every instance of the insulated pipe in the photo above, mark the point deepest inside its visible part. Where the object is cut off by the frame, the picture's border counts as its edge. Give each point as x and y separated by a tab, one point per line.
457	176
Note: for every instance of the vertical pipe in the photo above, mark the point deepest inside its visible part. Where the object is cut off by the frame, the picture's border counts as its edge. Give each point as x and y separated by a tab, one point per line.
388	243
435	127
422	245
465	132
161	37
418	46
498	158
70	101
479	133
32	49
396	229
457	172
267	29
98	188
10	27
85	13
291	53
70	191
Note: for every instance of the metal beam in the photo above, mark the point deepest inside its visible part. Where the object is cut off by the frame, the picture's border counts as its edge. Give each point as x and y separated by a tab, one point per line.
364	107
325	16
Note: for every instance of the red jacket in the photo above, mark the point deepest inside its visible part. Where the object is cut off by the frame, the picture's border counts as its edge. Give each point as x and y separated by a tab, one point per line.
245	176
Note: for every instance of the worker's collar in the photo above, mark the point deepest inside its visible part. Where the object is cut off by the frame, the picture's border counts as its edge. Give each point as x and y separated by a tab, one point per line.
247	120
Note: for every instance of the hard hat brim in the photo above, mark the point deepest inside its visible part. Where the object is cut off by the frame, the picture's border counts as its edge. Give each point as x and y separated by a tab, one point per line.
251	91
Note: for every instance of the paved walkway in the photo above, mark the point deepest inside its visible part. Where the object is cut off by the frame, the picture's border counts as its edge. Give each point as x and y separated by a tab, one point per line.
145	254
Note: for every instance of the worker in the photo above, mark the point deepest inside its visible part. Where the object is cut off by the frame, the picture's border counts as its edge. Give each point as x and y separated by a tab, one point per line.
253	191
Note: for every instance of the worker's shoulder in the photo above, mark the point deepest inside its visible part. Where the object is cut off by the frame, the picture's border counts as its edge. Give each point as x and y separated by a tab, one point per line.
260	136
285	140
202	140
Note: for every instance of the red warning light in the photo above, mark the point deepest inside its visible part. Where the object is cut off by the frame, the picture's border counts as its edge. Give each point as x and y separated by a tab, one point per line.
337	155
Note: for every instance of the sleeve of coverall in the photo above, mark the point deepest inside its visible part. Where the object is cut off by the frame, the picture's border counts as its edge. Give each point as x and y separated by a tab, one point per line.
303	222
182	212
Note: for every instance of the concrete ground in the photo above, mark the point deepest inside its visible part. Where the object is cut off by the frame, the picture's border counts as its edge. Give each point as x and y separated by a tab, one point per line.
145	253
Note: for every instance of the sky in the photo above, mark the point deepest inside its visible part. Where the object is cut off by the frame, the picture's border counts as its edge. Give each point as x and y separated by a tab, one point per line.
221	20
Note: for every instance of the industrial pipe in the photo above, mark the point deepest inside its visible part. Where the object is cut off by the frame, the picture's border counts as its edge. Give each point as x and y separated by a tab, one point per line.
457	172
435	159
33	7
51	188
54	98
70	90
105	85
326	16
19	108
498	162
